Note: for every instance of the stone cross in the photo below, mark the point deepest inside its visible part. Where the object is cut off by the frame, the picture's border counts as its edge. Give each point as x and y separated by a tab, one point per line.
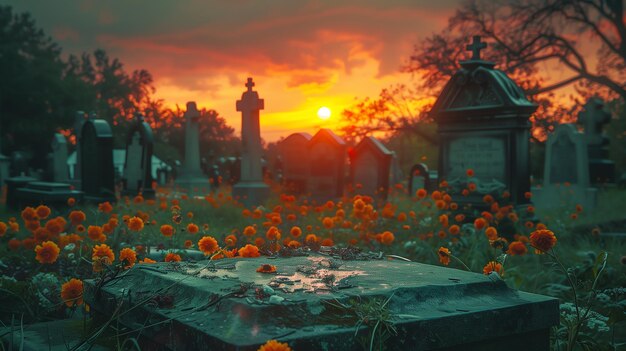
593	117
475	47
249	106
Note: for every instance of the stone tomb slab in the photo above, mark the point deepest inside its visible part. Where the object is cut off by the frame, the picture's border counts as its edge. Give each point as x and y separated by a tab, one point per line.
193	306
48	193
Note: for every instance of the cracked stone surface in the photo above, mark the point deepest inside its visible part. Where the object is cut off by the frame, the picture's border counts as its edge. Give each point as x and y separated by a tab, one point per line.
310	302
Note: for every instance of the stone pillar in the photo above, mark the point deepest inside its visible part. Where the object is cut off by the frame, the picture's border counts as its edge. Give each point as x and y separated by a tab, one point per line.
251	190
191	178
593	117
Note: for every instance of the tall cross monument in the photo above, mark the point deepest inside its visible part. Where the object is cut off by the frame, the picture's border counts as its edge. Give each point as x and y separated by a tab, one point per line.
251	189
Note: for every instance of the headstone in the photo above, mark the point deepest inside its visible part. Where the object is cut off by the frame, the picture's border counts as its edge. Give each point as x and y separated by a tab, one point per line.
327	165
293	154
19	164
483	125
191	178
396	175
566	171
370	168
251	190
51	194
79	119
229	306
96	161
138	163
13	184
419	178
593	117
59	159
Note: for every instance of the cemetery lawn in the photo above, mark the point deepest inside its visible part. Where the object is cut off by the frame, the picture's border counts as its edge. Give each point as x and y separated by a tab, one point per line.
47	253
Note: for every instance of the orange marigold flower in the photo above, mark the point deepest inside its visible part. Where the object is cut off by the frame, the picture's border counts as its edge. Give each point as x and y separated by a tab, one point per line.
172	257
135	224
493	266
273	345
480	223
440	204
444	256
542	240
102	251
42	211
249	251
528	195
41	234
105	207
47	252
249	231
77	217
295	232
266	268
459	218
167	230
138	199
579	208
259	242
188	243
94	232
469	172
328	222
192	228
208	245
273	233
72	292
29	214
3	228
328	242
491	233
147	260
294	244
517	248
230	240
471	186
387	238
128	256
55	226
29	243
454	229
574	215
80	228
311	239
14	244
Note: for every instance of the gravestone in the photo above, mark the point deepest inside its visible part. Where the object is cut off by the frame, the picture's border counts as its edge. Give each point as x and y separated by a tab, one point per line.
79	119
138	162
96	161
250	189
483	125
312	302
51	194
59	159
293	154
19	164
13	184
566	171
191	178
370	168
327	166
593	117
419	178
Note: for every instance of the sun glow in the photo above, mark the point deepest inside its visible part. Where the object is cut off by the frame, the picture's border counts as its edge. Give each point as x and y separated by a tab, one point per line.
323	113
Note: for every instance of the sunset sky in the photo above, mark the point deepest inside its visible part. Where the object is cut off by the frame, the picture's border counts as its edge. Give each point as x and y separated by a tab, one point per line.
302	54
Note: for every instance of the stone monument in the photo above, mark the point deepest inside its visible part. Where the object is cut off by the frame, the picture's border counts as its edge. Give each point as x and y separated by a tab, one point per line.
138	163
79	118
483	125
370	168
419	178
251	190
191	178
593	117
59	159
327	166
96	161
566	171
293	154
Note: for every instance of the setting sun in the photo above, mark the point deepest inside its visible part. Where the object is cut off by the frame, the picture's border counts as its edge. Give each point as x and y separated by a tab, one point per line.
323	113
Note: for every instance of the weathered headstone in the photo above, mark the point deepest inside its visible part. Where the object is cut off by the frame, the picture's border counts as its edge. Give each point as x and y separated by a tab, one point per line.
370	168
566	171
483	125
59	159
138	163
96	161
51	194
229	306
191	178
79	119
251	190
327	165
293	154
419	178
593	117
19	164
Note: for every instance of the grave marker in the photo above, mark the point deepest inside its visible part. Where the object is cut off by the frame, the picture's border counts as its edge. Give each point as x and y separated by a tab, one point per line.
96	161
370	168
138	162
190	177
293	154
327	164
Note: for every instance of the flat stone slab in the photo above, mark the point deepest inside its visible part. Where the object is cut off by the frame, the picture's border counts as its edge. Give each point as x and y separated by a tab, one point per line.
312	303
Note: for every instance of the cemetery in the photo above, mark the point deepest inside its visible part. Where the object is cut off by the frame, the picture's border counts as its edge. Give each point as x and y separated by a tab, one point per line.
130	224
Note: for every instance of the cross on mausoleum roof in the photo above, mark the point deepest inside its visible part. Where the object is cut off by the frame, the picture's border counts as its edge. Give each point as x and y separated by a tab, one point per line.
475	47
